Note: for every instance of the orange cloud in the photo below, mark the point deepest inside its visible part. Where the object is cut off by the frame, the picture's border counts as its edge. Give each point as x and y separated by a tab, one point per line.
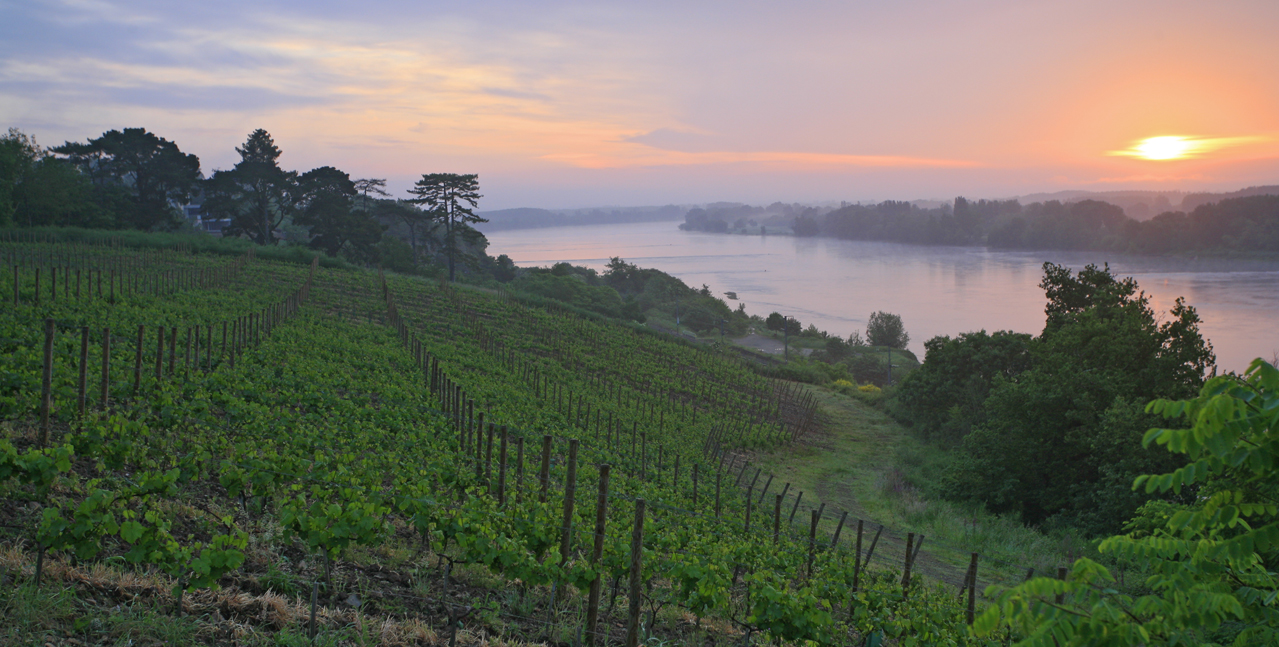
647	156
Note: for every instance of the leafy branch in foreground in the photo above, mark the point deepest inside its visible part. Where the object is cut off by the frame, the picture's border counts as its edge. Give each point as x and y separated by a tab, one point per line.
1211	569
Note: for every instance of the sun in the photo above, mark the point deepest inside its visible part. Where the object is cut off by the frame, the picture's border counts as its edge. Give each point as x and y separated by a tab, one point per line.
1178	147
1168	147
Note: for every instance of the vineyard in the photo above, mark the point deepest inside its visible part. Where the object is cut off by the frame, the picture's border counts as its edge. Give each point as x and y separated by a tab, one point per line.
287	450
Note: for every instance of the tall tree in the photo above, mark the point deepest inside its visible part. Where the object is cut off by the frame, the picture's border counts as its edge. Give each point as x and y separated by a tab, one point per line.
19	154
326	206
449	198
886	329
154	173
416	220
257	196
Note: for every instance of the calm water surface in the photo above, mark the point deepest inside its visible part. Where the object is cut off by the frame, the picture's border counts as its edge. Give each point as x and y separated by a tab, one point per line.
836	284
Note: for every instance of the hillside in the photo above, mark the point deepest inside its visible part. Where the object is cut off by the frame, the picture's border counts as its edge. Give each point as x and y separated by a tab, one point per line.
402	452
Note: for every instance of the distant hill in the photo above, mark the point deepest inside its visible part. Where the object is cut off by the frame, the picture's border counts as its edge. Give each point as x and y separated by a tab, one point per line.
1193	200
530	218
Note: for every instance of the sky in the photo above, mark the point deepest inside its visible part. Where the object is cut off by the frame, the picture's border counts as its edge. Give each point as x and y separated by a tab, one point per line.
574	104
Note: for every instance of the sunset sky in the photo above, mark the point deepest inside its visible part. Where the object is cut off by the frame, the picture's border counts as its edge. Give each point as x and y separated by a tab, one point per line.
584	104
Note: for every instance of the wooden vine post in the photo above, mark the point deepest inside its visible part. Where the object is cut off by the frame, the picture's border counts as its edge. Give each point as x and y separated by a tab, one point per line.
838	529
570	489
46	382
544	476
637	567
137	363
812	540
972	588
857	553
519	468
777	518
83	383
597	553
106	369
719	479
501	471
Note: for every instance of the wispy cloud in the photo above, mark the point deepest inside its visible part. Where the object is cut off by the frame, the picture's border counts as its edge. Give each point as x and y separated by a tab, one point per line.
649	156
584	94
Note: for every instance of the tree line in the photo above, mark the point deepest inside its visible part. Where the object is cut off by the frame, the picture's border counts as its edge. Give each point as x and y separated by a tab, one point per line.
1246	223
134	179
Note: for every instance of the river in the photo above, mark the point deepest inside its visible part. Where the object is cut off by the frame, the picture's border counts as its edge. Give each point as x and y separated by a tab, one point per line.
837	284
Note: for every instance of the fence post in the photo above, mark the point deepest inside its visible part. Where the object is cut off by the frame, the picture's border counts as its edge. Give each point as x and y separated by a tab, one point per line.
719	478
857	561
695	470
795	507
812	540
137	362
570	488
633	592
479	446
488	460
545	474
910	545
835	540
106	369
871	551
46	383
159	355
519	468
972	588
173	349
501	471
84	370
767	485
919	543
777	518
597	553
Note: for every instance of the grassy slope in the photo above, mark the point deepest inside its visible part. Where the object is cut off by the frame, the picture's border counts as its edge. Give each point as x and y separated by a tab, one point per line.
864	462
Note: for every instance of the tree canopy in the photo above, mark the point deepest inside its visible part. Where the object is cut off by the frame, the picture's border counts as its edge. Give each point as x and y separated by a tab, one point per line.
327	207
1210	564
150	170
256	196
1049	428
885	329
37	188
449	198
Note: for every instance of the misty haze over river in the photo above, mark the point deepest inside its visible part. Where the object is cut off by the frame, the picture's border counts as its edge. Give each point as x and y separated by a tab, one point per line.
836	284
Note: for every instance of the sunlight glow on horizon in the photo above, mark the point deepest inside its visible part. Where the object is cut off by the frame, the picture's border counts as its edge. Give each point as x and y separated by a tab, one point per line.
1177	147
628	103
